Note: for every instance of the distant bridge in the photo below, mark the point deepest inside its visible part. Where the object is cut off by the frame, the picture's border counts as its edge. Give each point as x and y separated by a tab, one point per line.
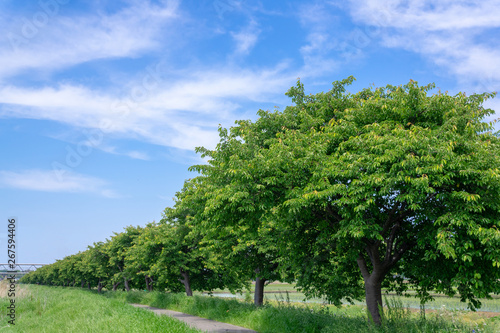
19	270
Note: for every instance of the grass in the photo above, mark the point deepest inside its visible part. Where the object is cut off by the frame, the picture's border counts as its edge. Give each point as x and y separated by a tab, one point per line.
54	309
284	316
277	290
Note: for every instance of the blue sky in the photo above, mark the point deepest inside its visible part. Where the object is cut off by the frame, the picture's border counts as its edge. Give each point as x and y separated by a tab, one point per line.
102	102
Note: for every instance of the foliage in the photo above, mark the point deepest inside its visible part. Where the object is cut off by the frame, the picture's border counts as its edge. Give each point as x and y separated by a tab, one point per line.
142	255
185	255
368	190
237	203
344	193
117	248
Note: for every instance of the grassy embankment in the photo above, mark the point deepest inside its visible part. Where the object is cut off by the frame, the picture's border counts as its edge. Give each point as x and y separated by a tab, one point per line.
284	316
53	309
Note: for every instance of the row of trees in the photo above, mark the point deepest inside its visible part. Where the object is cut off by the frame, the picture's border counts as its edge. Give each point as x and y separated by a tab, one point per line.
344	194
167	255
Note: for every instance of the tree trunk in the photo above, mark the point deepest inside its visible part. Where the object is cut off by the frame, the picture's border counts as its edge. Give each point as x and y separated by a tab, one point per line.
373	288
259	291
88	285
149	283
373	293
186	283
115	285
83	283
125	282
99	286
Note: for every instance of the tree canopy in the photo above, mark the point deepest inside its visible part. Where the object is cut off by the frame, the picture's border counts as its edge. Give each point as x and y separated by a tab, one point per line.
370	189
343	193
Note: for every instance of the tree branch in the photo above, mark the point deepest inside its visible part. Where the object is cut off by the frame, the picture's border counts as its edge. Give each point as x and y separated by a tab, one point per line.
362	266
399	253
372	250
387	222
390	242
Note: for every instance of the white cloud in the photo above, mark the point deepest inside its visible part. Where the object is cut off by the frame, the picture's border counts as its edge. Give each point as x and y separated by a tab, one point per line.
460	36
321	39
428	15
246	38
55	181
182	114
180	108
64	41
138	155
87	140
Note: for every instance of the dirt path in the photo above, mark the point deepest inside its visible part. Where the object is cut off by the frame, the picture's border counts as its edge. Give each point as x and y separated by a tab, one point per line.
206	325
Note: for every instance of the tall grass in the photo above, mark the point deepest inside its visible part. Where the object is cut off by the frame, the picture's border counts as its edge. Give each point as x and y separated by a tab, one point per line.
55	309
274	290
284	316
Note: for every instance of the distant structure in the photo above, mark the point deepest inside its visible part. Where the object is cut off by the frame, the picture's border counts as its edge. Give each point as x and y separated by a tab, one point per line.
19	270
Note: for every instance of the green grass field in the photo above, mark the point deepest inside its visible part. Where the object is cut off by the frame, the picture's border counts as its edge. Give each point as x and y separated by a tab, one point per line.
54	309
283	316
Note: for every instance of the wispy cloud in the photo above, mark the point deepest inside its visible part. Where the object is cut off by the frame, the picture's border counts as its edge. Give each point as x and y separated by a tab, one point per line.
134	154
63	41
50	181
319	51
427	14
246	38
184	113
460	36
87	140
137	155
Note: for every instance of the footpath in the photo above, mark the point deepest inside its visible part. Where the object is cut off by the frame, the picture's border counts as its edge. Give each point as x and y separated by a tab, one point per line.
205	325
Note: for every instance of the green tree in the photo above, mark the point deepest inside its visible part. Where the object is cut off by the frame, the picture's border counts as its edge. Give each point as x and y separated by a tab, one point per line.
79	273
186	256
244	190
68	272
86	274
96	264
141	257
117	248
236	204
371	190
